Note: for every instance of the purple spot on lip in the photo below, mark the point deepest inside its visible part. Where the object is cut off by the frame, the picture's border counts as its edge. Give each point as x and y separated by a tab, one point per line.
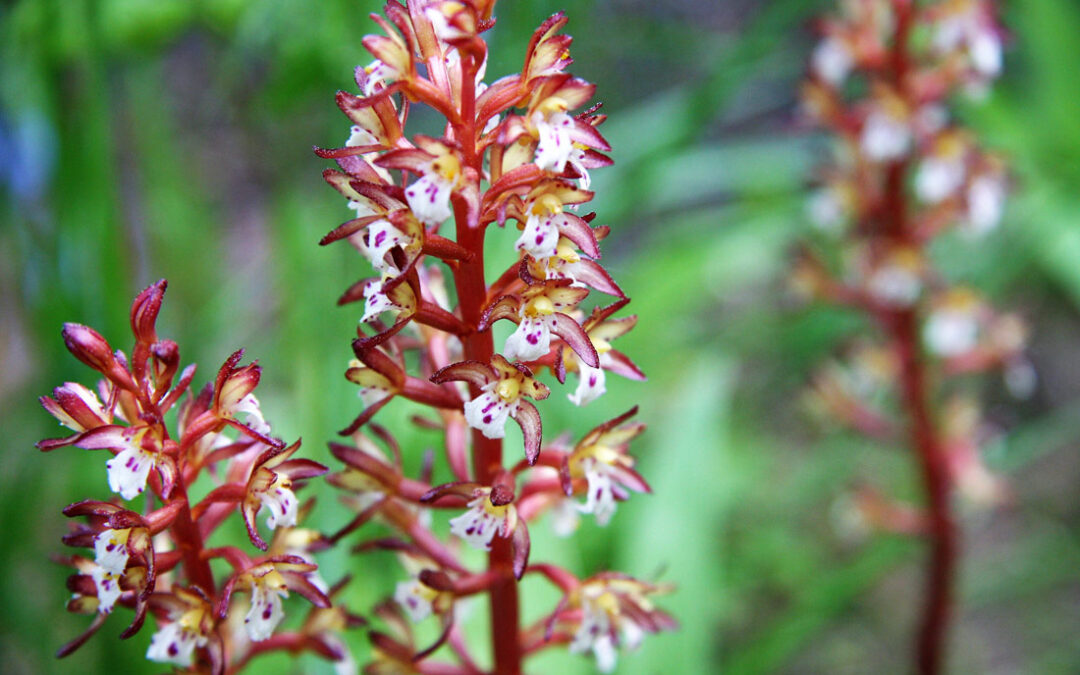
173	649
487	419
380	238
592	380
267	612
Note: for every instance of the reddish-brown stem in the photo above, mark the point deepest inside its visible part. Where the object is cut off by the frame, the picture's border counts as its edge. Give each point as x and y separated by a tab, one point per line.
930	644
903	326
189	542
487	452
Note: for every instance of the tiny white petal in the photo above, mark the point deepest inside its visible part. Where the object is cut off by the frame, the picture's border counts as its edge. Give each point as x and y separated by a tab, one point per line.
884	137
108	588
173	644
531	340
985	50
832	61
429	198
375	301
950	332
826	210
110	550
129	470
590	385
894	285
986	202
266	611
249	405
488	413
477	526
411	595
540	236
360	136
938	178
600	500
554	144
282	504
565	518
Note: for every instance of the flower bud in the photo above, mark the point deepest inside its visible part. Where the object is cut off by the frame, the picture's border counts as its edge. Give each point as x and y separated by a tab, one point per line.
144	311
89	347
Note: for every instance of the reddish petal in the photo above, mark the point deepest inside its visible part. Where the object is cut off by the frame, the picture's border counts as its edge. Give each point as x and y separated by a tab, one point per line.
473	372
572	333
528	418
521	548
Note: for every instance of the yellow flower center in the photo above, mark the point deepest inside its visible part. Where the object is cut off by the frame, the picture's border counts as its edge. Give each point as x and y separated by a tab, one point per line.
448	167
541	305
551	105
545	205
508	389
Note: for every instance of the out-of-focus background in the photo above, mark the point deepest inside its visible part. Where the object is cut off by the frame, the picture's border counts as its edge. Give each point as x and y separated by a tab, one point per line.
142	139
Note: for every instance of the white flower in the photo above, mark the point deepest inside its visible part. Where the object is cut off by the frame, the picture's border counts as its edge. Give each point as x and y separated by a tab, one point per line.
827	210
974	31
986	202
266	611
895	282
129	470
938	178
108	587
372	395
429	197
440	23
173	643
885	137
250	405
531	340
600	500
832	61
479	524
565	518
415	598
577	160
381	237
488	412
554	145
282	504
590	384
985	50
378	76
375	301
358	136
110	550
540	236
951	331
597	634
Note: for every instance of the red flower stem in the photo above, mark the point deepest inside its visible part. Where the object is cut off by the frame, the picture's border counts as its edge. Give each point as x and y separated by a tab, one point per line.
930	645
904	329
487	452
189	542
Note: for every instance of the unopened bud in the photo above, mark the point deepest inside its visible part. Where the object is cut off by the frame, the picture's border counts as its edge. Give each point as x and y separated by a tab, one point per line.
144	311
89	347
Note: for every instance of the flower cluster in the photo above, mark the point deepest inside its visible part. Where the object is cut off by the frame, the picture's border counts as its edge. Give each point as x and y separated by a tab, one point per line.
907	172
155	559
518	150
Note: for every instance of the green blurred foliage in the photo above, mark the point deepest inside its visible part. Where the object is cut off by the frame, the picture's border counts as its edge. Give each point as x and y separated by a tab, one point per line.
171	138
